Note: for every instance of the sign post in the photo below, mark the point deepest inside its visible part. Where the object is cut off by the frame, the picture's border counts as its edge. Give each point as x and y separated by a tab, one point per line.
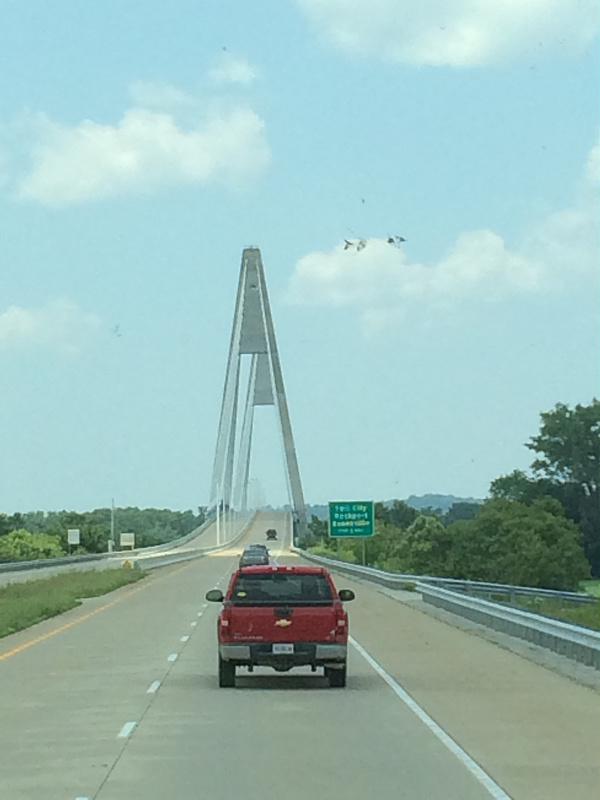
352	519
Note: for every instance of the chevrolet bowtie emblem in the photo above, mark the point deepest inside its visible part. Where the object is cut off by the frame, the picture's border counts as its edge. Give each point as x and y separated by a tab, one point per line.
283	623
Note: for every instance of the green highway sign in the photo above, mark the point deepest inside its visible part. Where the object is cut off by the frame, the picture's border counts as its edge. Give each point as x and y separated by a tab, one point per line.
352	518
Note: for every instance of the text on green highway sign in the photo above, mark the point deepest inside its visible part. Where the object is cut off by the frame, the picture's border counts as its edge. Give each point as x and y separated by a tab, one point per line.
353	518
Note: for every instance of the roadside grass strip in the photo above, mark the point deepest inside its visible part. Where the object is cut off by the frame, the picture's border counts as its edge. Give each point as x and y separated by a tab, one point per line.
25	604
591	587
587	615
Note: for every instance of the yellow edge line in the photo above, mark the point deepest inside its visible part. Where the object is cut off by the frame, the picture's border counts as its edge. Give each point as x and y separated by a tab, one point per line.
19	648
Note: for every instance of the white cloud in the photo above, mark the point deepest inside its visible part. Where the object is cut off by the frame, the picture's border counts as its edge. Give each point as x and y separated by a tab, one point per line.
592	169
233	70
158	95
454	32
144	151
60	325
150	147
381	283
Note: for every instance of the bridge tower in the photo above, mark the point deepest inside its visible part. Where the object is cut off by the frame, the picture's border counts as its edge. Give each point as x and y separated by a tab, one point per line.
252	334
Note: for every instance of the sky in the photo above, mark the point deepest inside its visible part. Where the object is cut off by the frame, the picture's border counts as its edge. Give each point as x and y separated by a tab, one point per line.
144	144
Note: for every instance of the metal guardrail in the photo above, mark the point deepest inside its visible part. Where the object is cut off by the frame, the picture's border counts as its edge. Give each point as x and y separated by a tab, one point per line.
41	563
478	588
574	641
142	553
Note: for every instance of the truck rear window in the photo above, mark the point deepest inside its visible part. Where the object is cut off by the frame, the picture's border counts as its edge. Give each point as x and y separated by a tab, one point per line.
276	588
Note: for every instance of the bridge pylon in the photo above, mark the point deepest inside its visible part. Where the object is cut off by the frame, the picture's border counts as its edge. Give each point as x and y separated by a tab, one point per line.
252	334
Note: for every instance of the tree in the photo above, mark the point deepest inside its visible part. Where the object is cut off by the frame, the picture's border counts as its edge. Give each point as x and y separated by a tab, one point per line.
461	510
426	546
517	486
568	470
399	514
569	442
510	542
317	532
20	544
568	446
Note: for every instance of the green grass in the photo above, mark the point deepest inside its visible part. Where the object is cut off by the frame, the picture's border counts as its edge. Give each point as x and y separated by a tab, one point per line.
585	614
591	587
25	604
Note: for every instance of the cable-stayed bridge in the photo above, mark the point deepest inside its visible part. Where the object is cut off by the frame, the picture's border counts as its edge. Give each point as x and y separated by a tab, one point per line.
252	335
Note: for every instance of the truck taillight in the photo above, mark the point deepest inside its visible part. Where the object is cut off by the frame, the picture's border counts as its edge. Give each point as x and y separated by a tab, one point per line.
341	626
224	626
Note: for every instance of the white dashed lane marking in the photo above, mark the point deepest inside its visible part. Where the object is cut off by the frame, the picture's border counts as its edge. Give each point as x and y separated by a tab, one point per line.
184	638
153	688
126	730
173	657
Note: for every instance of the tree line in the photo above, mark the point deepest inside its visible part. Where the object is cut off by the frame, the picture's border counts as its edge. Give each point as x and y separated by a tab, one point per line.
537	529
43	534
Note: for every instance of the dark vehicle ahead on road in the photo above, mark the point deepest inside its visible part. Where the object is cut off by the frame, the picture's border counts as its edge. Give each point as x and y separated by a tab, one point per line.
258	546
282	617
271	534
253	556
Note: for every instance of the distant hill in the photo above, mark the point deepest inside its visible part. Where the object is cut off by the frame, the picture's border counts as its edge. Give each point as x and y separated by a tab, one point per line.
441	501
322	512
435	501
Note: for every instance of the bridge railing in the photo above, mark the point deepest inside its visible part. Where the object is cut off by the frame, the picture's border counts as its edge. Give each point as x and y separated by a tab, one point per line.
477	588
234	529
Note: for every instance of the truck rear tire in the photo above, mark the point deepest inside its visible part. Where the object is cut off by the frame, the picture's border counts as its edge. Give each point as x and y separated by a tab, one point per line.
336	676
226	674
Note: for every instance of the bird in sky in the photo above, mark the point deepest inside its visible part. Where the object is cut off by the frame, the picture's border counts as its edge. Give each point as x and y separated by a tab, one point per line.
395	240
360	244
116	330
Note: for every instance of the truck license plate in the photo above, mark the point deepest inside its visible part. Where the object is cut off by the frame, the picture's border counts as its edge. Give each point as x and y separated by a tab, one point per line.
283	649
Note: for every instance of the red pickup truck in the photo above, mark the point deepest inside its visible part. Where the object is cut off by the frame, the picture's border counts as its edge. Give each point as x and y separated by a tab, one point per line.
282	617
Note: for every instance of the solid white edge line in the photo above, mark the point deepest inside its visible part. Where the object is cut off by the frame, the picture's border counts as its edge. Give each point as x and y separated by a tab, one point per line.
153	687
478	772
173	657
184	638
126	730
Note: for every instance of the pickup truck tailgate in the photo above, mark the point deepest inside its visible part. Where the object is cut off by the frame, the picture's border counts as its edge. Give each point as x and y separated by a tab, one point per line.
291	623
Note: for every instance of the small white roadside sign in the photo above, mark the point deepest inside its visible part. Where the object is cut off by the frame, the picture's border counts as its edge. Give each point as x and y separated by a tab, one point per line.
127	540
73	536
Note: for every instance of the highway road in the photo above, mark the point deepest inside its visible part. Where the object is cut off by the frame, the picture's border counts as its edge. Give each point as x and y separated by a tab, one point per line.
118	700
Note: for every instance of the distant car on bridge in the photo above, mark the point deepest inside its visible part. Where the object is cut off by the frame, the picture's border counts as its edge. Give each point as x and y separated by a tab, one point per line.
258	546
282	617
253	556
271	534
